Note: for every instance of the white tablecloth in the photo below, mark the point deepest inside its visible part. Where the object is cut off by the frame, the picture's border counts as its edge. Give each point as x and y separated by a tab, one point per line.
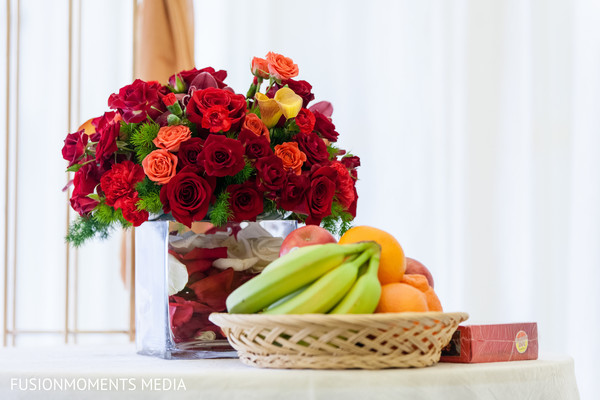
116	372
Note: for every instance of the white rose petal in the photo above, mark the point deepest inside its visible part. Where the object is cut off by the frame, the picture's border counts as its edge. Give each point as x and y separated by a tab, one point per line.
178	275
235	263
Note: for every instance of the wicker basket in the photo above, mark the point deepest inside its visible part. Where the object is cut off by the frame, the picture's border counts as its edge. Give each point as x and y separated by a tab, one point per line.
323	341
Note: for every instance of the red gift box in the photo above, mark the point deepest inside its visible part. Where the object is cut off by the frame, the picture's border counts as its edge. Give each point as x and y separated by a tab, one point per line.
491	343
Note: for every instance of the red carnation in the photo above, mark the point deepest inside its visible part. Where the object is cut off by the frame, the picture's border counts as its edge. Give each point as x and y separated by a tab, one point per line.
345	190
216	119
169	99
186	196
222	156
130	211
119	183
305	120
245	201
139	101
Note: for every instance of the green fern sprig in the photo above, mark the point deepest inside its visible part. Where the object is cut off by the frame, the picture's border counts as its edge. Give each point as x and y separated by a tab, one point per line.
149	194
221	211
142	137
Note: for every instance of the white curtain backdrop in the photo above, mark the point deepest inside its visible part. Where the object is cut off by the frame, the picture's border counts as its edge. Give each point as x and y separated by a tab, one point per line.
476	122
478	128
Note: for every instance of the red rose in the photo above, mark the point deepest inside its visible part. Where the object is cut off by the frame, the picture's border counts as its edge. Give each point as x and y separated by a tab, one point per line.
138	101
222	156
325	127
130	211
186	196
270	175
74	146
205	99
320	194
216	119
84	183
189	152
305	120
293	194
108	128
345	190
245	201
302	89
120	181
313	146
256	146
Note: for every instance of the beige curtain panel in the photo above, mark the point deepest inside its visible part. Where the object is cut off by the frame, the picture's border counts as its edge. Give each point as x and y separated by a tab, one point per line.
164	38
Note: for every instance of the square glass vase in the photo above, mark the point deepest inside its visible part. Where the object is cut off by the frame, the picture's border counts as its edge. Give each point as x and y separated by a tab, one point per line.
181	276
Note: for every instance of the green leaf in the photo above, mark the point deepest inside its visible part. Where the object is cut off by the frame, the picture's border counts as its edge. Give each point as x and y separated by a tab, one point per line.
74	168
333	151
93	196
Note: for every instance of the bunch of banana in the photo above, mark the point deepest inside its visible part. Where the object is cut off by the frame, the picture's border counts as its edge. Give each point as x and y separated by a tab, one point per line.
328	278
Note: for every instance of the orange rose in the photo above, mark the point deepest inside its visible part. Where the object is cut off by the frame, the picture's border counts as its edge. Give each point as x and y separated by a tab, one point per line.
260	68
291	156
160	166
253	124
170	137
281	67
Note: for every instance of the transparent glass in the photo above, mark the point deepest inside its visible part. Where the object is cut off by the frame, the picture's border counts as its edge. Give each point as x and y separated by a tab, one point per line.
181	276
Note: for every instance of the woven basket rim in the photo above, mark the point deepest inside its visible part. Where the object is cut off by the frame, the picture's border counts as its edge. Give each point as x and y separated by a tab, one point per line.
349	318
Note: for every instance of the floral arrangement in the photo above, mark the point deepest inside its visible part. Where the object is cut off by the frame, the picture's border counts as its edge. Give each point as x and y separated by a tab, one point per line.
196	150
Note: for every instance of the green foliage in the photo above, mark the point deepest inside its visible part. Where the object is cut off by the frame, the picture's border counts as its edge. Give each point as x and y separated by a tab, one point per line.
127	130
339	221
99	224
221	212
241	176
84	228
333	151
149	194
142	137
280	135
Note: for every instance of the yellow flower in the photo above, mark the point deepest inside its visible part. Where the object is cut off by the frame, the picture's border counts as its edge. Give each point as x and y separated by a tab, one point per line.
285	102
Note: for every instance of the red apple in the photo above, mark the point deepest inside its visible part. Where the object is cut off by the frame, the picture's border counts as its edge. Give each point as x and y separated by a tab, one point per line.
306	236
415	267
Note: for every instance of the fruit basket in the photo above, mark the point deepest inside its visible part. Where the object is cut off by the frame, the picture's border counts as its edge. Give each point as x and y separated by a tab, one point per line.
325	341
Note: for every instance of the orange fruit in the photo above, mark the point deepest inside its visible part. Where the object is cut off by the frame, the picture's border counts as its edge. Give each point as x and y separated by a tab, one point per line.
420	282
433	302
392	262
401	297
416	280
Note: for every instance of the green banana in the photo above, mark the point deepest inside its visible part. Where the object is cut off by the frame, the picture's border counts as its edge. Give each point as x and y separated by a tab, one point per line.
288	274
313	252
364	295
326	291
